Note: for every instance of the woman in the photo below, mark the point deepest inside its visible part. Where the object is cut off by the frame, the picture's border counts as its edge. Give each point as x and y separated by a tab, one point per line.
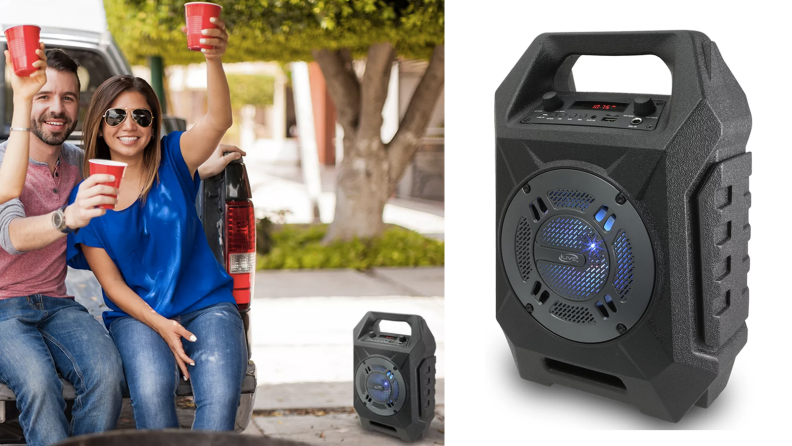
159	277
14	156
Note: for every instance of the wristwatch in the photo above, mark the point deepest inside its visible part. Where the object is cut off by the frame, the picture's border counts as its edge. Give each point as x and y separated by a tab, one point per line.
59	221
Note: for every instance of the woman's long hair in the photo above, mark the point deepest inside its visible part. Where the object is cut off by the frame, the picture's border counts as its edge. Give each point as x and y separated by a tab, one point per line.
96	147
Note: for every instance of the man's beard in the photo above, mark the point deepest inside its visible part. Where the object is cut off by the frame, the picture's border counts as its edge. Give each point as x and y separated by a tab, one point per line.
48	137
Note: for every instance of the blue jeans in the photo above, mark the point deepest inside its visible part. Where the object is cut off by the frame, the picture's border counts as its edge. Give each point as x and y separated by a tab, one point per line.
220	356
41	336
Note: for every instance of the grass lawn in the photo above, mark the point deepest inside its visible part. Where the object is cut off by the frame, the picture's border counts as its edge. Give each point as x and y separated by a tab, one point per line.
299	246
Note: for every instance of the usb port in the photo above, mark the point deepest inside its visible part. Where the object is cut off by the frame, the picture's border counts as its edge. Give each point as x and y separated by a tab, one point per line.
609	119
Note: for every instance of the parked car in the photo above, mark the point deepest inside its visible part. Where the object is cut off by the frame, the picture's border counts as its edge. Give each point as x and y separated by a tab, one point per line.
224	204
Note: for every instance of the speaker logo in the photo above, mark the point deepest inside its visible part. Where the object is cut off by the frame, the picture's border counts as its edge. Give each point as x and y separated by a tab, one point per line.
569	258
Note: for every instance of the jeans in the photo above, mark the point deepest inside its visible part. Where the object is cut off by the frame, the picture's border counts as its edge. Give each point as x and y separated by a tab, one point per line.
41	336
220	356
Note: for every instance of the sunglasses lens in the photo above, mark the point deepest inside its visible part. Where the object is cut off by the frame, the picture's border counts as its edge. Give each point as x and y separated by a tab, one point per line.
115	116
142	117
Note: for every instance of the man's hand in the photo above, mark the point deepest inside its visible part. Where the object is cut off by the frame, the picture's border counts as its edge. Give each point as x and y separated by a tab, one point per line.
25	88
218	162
90	195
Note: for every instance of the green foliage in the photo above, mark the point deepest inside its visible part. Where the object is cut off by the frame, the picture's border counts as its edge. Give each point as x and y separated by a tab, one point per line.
280	30
299	246
250	89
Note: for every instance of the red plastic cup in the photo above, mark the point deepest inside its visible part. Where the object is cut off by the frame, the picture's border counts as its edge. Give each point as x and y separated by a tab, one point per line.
114	168
198	15
23	41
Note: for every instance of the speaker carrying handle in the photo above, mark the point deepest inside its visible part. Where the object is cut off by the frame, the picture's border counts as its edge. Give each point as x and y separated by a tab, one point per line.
417	323
547	64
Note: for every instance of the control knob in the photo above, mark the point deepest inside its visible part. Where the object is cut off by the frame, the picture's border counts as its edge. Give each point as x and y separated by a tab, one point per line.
644	106
551	101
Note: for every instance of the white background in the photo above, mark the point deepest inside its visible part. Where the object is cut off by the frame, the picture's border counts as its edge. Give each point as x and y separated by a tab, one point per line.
487	402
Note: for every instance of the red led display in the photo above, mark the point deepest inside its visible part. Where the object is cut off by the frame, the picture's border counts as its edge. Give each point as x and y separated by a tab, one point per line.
604	106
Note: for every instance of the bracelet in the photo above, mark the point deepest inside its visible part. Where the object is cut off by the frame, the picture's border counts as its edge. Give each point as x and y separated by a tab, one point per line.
20	129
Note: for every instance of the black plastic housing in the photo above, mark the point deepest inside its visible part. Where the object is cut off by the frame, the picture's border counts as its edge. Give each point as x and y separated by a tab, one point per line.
415	360
688	180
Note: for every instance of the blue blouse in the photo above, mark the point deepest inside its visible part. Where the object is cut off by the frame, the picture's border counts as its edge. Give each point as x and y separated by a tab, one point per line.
159	246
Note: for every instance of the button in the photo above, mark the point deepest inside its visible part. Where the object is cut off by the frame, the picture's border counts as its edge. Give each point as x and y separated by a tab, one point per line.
402	338
552	114
55	190
572	115
562	115
582	115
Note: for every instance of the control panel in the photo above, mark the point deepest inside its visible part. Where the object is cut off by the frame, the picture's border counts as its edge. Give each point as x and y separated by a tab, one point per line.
642	113
387	338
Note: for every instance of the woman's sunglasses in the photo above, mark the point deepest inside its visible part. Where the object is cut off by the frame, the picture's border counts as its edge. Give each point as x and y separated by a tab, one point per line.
115	116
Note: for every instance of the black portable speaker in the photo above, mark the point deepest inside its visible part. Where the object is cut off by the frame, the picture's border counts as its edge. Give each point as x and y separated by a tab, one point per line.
394	376
623	228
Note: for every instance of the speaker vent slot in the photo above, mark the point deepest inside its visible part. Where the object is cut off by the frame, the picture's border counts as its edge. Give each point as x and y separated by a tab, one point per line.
542	205
585	374
625	265
572	313
522	248
570	198
601	308
534	212
384	427
610	303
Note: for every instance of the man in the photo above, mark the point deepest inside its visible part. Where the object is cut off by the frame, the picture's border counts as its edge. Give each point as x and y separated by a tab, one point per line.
43	331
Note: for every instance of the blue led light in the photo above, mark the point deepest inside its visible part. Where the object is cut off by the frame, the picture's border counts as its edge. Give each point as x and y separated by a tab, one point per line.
601	213
609	224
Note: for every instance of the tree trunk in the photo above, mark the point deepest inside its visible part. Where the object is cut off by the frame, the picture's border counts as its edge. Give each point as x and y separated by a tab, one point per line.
371	169
362	190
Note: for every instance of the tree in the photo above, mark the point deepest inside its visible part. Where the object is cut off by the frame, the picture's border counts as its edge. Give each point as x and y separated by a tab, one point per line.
334	33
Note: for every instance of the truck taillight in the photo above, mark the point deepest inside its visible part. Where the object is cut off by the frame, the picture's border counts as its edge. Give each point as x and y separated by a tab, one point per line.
240	249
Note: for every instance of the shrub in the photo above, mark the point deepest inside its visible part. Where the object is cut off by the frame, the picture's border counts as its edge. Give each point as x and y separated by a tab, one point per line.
299	246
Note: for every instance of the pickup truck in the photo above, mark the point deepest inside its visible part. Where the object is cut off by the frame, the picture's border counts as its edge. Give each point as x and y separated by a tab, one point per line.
224	204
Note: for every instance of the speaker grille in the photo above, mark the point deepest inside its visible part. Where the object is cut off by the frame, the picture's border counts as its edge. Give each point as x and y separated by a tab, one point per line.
571	313
625	264
573	282
381	385
522	248
570	198
566	232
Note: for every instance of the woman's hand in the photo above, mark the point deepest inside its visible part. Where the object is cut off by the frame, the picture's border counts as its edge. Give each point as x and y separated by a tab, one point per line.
27	87
215	37
221	157
172	332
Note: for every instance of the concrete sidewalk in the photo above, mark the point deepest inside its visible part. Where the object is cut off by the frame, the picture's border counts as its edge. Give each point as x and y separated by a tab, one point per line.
302	323
302	320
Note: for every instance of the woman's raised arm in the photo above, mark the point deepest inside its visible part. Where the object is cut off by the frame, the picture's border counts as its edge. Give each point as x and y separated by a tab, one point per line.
198	143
